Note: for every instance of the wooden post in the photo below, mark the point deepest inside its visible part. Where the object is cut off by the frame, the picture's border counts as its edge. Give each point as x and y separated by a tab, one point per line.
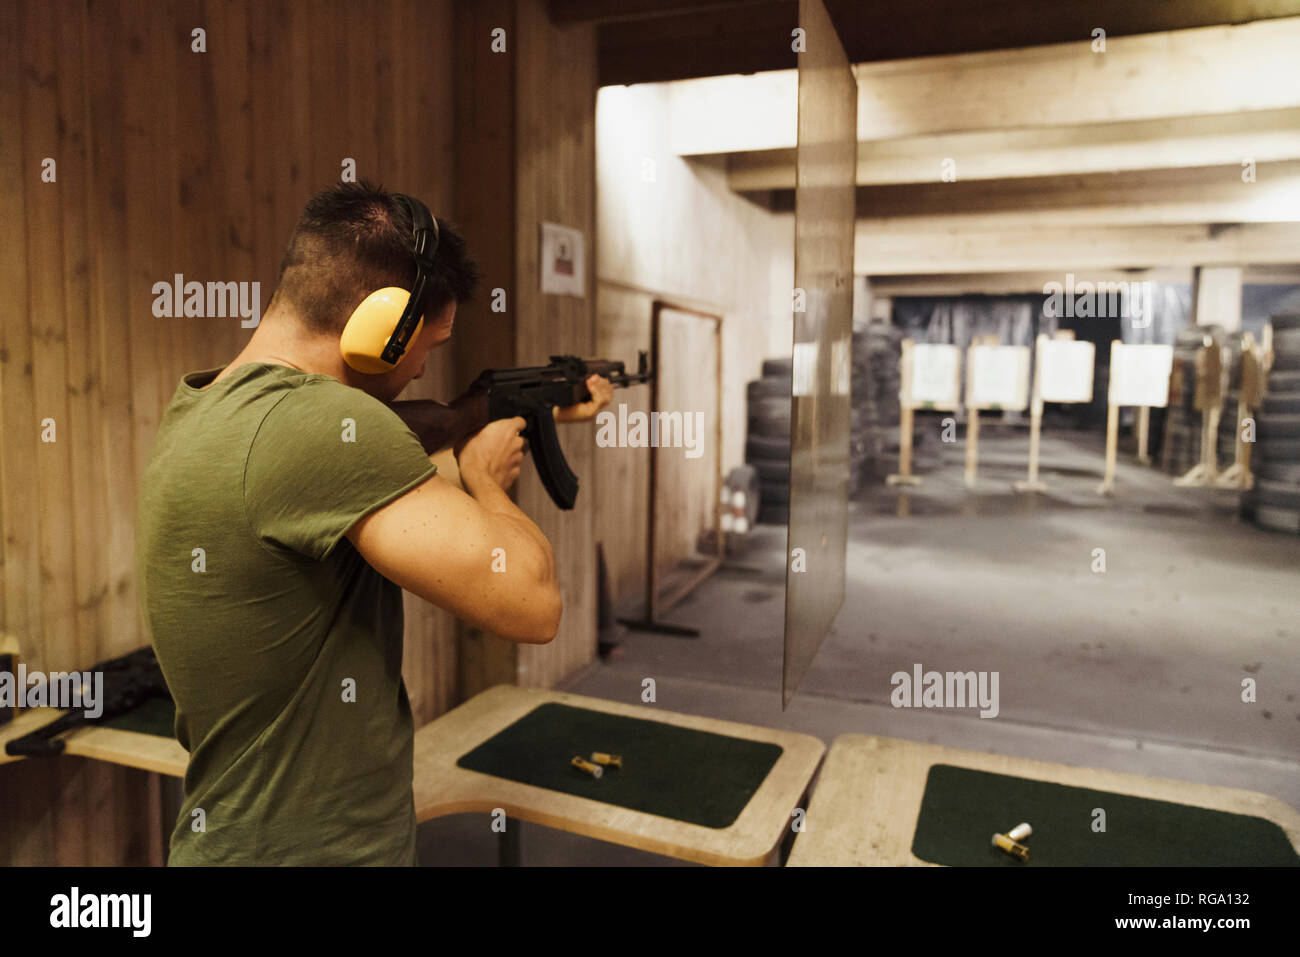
972	446
973	422
652	486
905	442
904	475
1238	474
1209	401
1247	478
1107	486
1035	431
1253	378
1144	434
655	602
503	117
1032	484
1210	443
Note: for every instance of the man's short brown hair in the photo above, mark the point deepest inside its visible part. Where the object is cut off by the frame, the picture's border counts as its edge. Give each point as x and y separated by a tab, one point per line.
354	238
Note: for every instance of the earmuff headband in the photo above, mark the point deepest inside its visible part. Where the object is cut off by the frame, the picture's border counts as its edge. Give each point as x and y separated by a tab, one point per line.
424	246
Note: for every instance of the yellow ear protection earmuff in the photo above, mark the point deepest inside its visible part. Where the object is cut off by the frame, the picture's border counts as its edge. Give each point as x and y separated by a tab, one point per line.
382	327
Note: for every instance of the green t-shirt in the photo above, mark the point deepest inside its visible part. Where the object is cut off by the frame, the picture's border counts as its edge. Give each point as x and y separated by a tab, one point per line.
280	644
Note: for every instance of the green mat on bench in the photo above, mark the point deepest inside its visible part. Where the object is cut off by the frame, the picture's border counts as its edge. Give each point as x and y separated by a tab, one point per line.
963	808
154	716
697	777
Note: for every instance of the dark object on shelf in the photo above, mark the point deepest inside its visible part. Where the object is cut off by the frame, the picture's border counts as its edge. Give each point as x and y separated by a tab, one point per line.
129	682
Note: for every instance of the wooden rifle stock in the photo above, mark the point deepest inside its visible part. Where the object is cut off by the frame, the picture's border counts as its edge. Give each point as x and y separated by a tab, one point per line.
440	426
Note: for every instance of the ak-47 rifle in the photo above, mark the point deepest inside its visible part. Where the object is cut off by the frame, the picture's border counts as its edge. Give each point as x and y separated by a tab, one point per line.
531	392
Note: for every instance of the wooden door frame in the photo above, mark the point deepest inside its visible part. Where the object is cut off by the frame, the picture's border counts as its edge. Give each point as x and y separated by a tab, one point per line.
654	604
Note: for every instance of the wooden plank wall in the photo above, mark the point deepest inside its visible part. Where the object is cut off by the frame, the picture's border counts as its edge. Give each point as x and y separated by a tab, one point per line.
525	122
555	178
168	161
485	90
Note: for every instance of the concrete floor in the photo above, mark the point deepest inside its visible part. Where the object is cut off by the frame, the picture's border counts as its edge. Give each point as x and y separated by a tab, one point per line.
1136	669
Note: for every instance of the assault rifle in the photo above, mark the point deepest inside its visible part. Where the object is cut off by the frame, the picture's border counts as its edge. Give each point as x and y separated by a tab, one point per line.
531	392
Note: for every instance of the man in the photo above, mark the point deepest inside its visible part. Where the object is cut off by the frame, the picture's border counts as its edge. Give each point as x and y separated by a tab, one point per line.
283	510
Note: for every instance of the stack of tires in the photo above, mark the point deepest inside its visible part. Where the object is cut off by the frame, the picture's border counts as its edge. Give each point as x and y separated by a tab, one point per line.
767	441
1277	455
873	418
874	428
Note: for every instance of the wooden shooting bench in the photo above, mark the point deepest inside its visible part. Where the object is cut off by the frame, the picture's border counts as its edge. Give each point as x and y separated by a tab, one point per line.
888	802
682	766
132	749
724	792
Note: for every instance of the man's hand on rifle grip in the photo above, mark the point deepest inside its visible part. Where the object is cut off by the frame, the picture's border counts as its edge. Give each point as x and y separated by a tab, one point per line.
601	394
494	453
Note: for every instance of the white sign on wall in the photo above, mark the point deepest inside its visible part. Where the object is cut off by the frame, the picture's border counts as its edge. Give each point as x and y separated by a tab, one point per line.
1065	373
1139	375
997	377
562	261
934	375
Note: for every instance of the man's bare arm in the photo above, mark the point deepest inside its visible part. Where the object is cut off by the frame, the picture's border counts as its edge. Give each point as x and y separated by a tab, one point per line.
440	543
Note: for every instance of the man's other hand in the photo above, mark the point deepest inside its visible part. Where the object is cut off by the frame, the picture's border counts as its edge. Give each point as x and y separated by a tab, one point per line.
492	454
601	394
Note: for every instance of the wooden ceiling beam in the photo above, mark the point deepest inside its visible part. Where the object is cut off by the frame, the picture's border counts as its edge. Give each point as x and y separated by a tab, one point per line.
1146	197
1265	136
1183	74
899	251
1030	283
1179	73
1012	283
